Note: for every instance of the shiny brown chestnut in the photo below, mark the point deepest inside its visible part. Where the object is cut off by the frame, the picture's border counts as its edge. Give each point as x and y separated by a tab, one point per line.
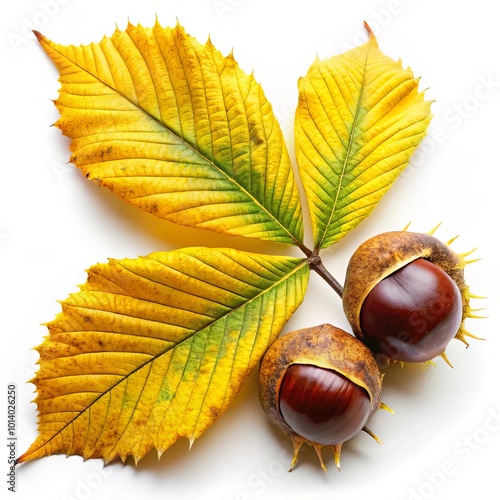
405	296
320	386
412	314
322	405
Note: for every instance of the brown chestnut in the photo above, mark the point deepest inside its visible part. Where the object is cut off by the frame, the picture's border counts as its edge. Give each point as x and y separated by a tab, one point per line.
320	386
405	296
322	405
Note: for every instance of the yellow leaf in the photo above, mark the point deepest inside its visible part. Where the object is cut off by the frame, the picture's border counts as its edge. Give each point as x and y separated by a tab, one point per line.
359	119
175	128
155	348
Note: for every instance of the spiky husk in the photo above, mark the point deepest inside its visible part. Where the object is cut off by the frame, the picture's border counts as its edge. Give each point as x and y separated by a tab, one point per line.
382	255
324	346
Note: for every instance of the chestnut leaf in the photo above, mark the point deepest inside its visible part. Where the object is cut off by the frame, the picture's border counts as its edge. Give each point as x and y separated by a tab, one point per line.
155	348
175	128
359	119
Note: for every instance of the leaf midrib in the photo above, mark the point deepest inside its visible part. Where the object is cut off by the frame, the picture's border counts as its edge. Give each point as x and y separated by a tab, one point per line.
350	143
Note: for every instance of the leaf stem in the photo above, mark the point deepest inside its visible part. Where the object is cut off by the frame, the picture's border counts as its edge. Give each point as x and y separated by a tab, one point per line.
306	250
316	264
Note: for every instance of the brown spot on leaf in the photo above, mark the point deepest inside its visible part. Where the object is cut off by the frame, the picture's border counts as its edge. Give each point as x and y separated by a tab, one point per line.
214	412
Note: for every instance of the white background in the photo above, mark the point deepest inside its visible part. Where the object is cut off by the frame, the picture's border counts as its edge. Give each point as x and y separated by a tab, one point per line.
444	439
